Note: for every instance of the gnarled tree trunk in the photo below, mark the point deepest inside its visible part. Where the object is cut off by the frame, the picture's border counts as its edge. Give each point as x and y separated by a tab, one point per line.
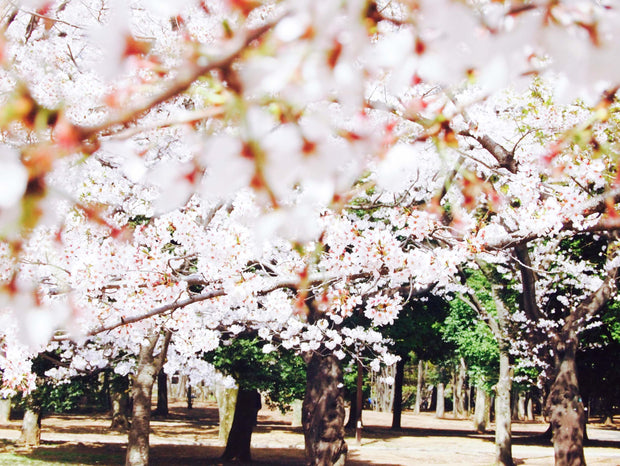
323	411
240	436
142	389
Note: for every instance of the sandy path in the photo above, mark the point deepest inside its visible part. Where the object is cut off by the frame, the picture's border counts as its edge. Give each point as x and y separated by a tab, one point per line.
190	437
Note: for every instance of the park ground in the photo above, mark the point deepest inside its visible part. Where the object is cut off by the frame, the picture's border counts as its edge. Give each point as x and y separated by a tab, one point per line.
190	437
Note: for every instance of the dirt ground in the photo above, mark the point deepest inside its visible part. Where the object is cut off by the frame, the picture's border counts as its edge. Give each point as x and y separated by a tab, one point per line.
190	437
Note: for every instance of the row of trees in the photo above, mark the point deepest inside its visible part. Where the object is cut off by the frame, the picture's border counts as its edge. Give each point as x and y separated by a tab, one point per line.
176	176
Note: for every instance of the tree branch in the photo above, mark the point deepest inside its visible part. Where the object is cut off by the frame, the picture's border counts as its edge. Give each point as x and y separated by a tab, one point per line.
187	76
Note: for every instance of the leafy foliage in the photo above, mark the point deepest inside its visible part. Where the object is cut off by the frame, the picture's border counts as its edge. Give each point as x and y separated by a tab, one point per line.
280	374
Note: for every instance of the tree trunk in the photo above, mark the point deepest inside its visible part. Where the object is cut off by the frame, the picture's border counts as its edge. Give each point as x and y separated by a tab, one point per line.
503	421
398	394
323	411
440	410
359	402
529	408
566	411
119	398
296	406
162	394
419	387
31	427
119	411
226	402
240	437
5	410
352	420
142	389
459	390
190	403
482	410
521	399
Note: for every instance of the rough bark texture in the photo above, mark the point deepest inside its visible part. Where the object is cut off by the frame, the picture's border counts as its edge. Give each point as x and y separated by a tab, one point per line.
440	410
566	411
564	403
5	409
398	394
482	410
419	386
142	388
503	419
162	394
323	411
31	428
240	437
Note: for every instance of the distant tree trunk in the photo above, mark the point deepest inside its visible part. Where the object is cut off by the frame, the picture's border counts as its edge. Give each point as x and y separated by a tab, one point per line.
31	427
359	401
190	403
323	411
529	407
5	409
398	394
162	394
459	390
521	400
503	420
565	407
482	410
142	389
240	436
352	420
119	399
226	403
419	387
440	410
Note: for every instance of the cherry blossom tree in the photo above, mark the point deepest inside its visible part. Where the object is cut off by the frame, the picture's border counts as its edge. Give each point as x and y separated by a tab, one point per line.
131	132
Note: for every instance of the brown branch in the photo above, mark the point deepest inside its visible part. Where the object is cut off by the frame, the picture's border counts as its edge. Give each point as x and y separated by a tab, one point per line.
187	76
528	282
591	304
179	304
161	357
158	311
504	157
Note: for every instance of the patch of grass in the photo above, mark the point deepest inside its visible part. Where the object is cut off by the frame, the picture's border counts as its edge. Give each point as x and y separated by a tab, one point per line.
61	456
9	459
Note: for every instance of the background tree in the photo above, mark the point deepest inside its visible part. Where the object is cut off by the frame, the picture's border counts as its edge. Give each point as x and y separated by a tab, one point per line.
257	369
